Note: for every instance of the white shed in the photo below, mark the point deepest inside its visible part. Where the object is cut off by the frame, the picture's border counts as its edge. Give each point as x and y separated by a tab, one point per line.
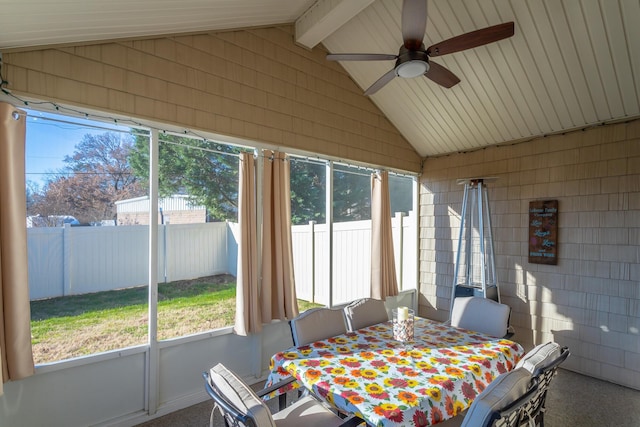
177	209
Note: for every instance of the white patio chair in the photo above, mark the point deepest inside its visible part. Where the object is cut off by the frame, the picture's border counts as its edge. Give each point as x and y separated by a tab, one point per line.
365	312
501	404
240	406
542	362
482	315
317	324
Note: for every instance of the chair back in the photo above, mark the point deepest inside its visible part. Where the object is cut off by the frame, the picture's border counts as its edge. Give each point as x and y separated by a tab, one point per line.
515	414
317	324
502	402
482	315
365	312
542	362
236	401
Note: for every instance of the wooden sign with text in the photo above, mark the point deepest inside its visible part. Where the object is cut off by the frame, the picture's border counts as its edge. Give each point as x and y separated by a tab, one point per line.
543	232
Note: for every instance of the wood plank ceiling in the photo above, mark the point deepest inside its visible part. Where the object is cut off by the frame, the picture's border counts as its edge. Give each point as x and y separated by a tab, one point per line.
571	63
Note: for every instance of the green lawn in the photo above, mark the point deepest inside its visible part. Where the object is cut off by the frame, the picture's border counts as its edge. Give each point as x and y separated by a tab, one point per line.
78	325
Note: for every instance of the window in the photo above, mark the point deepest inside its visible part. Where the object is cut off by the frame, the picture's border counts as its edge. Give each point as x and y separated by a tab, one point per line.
88	234
351	233
198	194
76	172
344	276
88	219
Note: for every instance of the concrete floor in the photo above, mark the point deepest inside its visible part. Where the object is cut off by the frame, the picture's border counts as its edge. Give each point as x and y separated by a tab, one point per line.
577	400
574	400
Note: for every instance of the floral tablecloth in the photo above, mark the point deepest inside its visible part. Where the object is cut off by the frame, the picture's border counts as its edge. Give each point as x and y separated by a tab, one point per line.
388	383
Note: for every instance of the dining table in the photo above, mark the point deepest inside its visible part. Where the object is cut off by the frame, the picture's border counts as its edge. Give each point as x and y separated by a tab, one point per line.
387	382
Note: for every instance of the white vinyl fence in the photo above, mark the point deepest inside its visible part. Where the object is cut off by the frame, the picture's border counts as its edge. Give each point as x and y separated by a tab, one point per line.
77	260
351	259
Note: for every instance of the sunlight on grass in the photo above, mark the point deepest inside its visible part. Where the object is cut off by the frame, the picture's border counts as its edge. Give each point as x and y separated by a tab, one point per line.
80	325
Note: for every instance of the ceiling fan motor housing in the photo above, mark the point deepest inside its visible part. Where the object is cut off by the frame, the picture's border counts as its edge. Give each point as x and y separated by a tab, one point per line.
412	63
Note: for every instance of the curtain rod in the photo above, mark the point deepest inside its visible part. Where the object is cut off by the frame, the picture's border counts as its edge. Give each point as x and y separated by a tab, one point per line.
60	109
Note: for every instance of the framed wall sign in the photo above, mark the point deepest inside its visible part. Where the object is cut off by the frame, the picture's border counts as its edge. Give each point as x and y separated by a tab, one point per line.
543	232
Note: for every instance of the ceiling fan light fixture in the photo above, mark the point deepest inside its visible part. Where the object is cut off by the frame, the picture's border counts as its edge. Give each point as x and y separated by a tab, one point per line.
411	69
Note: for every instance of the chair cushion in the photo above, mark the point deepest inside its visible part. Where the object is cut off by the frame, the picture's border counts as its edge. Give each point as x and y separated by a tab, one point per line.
317	324
481	314
307	412
541	356
365	312
502	391
240	395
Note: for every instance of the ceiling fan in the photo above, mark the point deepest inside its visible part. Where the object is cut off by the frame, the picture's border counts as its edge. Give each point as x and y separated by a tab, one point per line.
413	59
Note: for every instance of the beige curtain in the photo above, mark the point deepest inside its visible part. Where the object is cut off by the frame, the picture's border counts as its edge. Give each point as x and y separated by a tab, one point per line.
278	291
248	319
15	314
383	267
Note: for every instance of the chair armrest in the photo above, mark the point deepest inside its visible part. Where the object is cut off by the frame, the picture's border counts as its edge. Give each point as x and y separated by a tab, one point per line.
510	332
282	398
276	386
352	421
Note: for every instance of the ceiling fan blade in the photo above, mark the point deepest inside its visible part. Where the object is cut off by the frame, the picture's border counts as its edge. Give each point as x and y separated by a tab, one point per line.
472	39
360	57
386	78
414	23
441	75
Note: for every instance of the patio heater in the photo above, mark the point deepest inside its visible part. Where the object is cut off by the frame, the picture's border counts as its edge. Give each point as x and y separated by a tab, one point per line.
475	267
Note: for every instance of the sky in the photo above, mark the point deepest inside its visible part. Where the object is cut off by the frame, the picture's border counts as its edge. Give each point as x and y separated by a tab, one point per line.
50	138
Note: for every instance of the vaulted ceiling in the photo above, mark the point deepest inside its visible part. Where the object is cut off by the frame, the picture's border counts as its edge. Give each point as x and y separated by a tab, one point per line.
571	63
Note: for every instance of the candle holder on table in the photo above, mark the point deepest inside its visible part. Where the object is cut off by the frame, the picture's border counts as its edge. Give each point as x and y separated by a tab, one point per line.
403	325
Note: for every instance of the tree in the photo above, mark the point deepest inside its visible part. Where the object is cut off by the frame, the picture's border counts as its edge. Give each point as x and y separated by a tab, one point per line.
207	171
308	186
204	170
96	175
401	194
33	195
351	195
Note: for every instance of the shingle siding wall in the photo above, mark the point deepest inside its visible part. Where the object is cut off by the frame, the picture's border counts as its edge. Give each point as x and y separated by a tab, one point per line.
590	301
252	84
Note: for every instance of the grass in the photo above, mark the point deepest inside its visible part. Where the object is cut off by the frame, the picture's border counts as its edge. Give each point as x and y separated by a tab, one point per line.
78	325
